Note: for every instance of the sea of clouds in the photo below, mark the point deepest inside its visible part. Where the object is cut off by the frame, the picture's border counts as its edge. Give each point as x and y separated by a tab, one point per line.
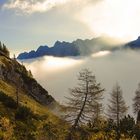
57	75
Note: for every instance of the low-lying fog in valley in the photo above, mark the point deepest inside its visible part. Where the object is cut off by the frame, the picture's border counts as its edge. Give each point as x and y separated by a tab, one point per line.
57	75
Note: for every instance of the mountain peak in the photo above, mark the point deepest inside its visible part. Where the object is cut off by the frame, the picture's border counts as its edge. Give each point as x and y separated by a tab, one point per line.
138	38
42	48
57	43
133	44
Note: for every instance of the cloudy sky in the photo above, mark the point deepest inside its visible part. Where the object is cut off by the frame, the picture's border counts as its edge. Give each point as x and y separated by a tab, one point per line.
26	24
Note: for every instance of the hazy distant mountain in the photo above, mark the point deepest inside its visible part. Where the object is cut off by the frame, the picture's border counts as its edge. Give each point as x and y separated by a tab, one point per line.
75	48
59	49
133	44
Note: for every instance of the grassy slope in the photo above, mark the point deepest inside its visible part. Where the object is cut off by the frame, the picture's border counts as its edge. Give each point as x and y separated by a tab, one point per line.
45	126
26	100
51	121
54	126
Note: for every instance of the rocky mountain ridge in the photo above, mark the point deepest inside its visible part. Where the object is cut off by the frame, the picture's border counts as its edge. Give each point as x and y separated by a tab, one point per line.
78	47
133	44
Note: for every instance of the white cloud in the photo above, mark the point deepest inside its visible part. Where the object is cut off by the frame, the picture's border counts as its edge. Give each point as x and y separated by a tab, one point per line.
31	6
116	18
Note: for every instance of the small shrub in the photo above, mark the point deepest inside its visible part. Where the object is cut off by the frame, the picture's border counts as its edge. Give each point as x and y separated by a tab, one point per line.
7	101
6	129
23	113
137	131
126	125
